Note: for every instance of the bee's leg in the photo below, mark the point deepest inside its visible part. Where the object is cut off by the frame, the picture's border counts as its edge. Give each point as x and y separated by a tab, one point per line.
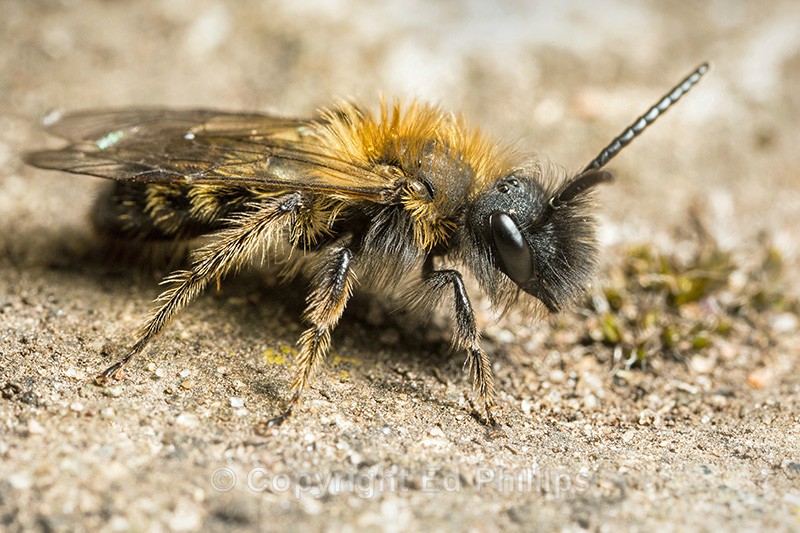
466	335
333	285
230	248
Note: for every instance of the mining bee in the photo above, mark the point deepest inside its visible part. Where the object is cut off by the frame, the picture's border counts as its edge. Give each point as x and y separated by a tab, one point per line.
349	198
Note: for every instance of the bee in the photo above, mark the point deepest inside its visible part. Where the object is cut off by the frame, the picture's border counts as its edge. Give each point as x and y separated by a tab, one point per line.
351	199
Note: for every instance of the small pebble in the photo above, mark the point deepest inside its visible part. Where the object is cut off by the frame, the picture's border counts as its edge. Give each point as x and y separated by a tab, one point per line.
526	406
590	401
504	336
647	417
118	523
784	323
760	378
34	427
20	480
188	420
354	458
236	403
436	431
75	374
113	392
702	365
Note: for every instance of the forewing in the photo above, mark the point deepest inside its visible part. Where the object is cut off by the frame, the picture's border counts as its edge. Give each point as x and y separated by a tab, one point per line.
205	146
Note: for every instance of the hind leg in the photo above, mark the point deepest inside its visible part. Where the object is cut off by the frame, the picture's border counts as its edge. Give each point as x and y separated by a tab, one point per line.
231	247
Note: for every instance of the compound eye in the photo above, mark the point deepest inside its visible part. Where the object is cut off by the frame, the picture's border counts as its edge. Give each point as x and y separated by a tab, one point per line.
512	248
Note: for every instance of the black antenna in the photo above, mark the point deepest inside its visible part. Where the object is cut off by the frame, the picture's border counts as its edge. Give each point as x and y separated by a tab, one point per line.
641	123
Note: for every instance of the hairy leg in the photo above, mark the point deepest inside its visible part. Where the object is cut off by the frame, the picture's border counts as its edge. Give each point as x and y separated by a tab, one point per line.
333	285
465	334
230	248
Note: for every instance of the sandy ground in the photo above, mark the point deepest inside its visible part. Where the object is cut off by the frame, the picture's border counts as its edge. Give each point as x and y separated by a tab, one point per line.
603	428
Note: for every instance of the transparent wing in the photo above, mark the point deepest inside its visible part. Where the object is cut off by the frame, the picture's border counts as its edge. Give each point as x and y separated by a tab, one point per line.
206	146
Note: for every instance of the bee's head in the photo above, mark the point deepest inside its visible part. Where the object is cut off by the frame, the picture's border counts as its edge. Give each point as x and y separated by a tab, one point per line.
521	234
541	238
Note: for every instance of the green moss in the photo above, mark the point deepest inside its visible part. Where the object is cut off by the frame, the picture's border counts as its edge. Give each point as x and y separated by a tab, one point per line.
681	304
610	327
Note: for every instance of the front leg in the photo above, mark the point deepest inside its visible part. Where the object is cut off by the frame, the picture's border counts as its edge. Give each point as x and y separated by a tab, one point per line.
333	285
465	334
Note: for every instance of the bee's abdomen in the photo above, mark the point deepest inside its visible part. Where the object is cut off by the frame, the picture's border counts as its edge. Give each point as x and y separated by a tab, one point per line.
155	212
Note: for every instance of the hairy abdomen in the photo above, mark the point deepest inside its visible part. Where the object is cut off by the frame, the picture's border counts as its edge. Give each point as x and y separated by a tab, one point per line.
153	212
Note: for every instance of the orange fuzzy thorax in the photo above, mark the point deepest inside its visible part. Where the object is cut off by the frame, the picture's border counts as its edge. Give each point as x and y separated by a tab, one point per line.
402	137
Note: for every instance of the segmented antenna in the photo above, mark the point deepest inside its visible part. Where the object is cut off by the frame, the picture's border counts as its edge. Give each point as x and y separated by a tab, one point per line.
641	123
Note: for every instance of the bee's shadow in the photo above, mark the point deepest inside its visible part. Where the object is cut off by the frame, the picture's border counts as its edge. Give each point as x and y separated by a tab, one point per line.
374	328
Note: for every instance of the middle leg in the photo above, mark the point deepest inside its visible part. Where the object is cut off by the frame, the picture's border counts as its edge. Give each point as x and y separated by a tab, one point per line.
333	285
